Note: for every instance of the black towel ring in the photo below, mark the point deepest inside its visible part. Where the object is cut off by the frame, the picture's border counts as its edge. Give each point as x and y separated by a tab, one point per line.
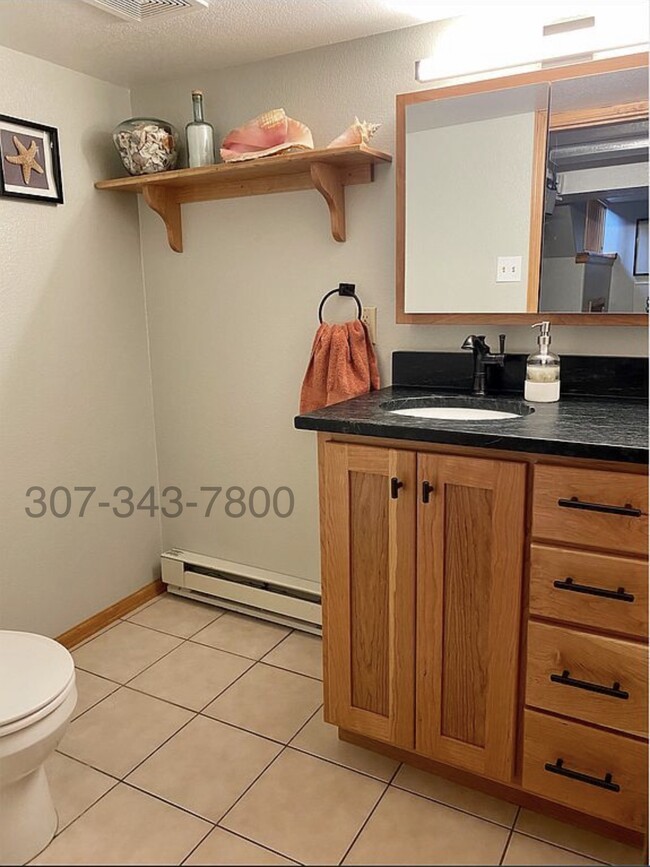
345	289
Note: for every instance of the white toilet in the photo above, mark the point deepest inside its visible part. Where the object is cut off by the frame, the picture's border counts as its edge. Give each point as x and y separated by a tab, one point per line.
37	698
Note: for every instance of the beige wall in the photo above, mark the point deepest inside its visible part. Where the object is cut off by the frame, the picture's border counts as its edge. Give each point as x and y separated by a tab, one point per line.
232	318
76	405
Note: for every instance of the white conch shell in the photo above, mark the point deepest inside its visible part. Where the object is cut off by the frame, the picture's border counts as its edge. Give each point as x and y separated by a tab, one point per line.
268	133
359	132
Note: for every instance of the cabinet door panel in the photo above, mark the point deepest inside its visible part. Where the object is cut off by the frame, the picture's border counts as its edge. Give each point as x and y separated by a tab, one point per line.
470	554
369	650
368	575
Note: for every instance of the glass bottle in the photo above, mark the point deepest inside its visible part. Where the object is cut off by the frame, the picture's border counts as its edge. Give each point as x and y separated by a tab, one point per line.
199	135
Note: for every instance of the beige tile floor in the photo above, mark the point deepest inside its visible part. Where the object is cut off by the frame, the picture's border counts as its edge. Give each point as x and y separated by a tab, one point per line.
199	739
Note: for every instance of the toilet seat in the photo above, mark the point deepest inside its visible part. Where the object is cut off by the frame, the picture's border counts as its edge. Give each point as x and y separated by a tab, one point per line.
37	675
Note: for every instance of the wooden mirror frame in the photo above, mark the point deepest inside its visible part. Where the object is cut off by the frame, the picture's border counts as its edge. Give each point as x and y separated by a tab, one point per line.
560	120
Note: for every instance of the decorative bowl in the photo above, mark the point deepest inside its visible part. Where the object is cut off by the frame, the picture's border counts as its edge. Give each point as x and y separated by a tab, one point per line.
146	145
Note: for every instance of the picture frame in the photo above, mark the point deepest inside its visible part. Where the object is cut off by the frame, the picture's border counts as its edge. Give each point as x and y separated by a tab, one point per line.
30	161
641	249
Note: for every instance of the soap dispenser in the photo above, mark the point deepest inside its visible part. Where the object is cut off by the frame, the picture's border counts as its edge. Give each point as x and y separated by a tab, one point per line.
542	369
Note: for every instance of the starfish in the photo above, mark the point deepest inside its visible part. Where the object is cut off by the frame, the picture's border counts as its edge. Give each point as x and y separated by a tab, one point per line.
26	159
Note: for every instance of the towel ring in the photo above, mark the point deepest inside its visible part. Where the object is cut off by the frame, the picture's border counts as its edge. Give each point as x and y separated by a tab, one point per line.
344	289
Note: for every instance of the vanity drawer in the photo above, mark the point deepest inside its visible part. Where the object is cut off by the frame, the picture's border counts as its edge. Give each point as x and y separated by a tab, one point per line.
571	764
599	590
594	678
591	508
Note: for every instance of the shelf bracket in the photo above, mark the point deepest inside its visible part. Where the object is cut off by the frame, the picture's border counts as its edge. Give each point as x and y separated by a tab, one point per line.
327	180
160	201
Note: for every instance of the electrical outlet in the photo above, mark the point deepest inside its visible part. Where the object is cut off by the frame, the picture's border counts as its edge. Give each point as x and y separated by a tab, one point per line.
369	316
508	269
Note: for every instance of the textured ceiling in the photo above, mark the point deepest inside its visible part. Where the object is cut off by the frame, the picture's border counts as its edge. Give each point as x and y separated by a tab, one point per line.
230	32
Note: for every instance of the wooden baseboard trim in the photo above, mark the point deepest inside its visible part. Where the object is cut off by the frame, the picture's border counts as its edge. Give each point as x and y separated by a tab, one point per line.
511	793
109	615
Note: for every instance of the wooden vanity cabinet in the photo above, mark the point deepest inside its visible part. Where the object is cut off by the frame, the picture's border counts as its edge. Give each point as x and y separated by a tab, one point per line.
426	545
485	616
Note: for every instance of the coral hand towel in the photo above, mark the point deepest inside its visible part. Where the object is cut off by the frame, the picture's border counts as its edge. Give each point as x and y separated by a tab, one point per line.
342	365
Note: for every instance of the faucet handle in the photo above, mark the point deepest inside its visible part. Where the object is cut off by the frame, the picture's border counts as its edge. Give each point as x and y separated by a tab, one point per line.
469	341
502	344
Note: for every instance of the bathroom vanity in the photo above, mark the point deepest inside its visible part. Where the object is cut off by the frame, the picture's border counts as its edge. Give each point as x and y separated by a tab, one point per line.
485	586
485	561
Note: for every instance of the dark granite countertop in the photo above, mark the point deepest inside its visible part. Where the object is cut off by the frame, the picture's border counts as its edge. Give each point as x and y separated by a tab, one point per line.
600	428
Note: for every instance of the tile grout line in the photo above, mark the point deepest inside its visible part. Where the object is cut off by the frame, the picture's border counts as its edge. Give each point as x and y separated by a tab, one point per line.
76	819
98	634
249	787
566	848
365	822
240	837
171	634
194	848
192	638
454	807
277	644
167	595
99	701
169	803
509	837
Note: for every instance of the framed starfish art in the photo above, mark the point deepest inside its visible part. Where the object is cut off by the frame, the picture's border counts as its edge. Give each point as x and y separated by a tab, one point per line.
30	165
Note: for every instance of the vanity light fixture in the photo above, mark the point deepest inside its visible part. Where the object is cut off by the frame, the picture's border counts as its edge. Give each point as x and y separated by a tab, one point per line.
559	42
426	71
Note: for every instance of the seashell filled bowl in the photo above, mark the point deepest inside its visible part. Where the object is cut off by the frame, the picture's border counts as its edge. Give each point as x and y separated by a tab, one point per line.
146	145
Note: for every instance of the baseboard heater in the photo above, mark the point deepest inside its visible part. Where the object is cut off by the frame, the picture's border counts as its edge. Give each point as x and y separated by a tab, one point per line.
284	599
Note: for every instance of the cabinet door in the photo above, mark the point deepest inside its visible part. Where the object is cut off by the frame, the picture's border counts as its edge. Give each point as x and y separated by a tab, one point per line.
470	555
368	574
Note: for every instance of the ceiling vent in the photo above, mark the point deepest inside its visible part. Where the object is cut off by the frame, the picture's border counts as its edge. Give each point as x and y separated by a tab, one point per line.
146	10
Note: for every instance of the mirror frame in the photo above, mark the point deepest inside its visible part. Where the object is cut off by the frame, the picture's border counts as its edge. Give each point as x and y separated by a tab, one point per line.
584	117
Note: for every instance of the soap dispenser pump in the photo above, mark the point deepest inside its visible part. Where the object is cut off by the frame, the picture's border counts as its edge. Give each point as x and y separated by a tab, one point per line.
542	369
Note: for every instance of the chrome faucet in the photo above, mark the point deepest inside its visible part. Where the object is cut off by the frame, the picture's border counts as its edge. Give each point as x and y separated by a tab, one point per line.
482	358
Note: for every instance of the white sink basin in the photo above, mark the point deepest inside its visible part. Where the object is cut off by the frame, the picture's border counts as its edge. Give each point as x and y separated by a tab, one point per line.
458	408
455	413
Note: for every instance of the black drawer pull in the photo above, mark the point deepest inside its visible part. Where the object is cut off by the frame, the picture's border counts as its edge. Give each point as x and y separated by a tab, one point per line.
427	490
570	584
606	783
395	485
575	503
614	691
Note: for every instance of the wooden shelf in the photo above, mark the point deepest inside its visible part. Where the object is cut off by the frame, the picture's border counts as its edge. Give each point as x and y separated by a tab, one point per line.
328	170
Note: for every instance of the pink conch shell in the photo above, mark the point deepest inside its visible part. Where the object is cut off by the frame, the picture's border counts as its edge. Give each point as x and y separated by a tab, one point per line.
269	133
359	132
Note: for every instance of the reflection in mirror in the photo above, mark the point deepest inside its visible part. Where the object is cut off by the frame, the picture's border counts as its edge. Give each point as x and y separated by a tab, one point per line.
596	196
469	174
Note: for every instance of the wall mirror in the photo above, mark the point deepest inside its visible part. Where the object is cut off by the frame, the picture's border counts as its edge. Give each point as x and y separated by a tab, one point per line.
526	195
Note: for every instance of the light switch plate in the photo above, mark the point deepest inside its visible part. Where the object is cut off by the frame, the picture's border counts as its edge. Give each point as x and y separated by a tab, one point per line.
369	316
509	269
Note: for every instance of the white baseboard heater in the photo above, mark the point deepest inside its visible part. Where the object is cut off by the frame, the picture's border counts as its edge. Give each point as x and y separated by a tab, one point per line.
272	596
